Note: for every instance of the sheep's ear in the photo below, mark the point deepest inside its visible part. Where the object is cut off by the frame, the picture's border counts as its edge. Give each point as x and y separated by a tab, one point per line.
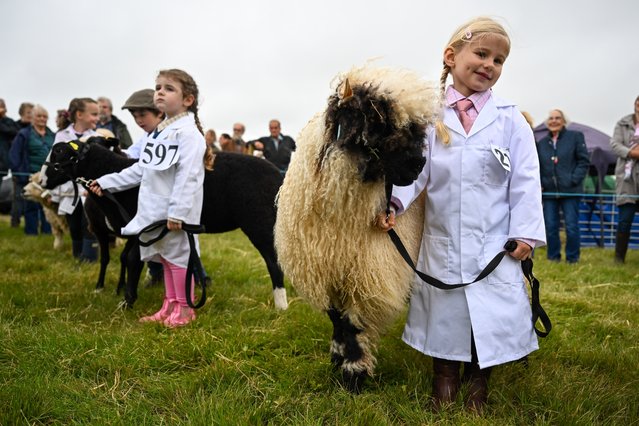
345	92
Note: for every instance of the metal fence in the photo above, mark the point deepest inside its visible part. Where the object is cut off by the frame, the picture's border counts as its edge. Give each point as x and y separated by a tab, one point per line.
598	218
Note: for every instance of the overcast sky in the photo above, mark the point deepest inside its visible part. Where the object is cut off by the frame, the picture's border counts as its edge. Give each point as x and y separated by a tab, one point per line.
257	60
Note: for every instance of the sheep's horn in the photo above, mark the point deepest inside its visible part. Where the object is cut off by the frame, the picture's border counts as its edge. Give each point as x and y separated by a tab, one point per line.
346	91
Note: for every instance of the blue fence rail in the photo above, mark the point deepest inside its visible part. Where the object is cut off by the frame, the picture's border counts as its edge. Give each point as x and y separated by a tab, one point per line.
598	218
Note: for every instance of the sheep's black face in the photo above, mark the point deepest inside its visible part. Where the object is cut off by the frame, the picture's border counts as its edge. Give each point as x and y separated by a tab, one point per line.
362	124
60	166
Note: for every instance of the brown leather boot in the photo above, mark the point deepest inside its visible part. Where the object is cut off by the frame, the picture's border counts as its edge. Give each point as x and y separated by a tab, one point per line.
445	382
477	379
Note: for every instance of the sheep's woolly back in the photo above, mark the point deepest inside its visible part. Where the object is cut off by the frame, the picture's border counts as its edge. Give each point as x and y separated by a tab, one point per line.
324	236
415	99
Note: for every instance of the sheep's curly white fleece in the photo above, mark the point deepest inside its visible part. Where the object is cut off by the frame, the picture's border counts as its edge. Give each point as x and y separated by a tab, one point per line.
324	236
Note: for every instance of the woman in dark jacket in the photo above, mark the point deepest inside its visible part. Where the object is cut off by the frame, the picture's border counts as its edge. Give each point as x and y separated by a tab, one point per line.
625	143
28	151
563	164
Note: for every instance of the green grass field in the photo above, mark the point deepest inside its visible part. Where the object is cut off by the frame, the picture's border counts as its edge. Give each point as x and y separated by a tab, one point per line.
71	356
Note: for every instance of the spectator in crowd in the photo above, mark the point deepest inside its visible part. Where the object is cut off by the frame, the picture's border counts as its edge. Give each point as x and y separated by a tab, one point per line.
563	162
26	114
113	123
17	203
28	152
62	116
211	140
625	143
238	136
8	131
226	143
277	148
528	118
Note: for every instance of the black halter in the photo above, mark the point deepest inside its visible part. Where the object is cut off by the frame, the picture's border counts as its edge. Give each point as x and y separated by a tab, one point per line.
69	167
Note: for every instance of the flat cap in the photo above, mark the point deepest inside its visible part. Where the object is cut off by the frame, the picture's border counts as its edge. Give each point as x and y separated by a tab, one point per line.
140	99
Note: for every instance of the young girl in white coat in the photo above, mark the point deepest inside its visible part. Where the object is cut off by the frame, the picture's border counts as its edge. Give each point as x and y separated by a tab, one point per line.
482	189
79	122
170	173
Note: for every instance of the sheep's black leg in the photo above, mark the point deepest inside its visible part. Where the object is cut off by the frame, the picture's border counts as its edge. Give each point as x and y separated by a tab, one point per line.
123	264
337	343
355	366
105	258
134	270
263	242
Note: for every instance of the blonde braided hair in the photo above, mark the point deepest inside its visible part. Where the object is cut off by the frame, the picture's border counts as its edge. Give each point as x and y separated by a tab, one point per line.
470	32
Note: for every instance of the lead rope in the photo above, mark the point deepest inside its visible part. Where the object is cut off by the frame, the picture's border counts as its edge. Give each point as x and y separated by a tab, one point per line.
194	267
538	312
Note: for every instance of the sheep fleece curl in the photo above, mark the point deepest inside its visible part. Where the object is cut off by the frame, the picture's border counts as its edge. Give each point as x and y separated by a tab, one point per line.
324	235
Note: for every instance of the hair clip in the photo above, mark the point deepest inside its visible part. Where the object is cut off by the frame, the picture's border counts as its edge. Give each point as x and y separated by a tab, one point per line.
467	35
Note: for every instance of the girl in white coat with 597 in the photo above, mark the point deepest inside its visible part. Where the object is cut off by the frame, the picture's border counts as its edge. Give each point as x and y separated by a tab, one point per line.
482	189
170	173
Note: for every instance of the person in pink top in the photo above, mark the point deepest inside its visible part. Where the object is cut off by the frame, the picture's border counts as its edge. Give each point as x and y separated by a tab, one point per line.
481	180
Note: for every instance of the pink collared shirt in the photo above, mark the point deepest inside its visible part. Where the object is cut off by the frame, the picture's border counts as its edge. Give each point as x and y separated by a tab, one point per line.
479	99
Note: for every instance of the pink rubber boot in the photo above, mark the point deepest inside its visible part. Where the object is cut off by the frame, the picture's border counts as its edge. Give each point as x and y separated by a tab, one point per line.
168	306
182	314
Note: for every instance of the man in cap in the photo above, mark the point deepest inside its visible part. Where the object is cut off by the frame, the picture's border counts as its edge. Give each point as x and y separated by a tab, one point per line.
113	123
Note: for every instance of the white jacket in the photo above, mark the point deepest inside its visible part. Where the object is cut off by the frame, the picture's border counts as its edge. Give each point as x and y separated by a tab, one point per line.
64	194
474	205
173	189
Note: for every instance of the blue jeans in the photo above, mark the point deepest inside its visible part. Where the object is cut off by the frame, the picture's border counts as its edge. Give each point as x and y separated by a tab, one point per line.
34	216
570	208
626	216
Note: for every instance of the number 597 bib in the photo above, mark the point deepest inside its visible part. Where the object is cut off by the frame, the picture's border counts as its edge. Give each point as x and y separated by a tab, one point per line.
159	155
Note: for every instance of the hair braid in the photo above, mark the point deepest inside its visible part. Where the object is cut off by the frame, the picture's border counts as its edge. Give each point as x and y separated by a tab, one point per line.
440	127
189	87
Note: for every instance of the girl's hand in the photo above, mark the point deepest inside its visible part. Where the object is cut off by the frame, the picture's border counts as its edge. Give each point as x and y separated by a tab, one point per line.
385	222
173	224
95	188
522	252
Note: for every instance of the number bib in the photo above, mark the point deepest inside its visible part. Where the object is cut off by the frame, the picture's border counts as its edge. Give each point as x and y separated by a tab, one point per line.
159	154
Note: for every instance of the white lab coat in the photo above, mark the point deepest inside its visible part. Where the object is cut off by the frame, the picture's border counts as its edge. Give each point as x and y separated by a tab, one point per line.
64	194
175	192
473	206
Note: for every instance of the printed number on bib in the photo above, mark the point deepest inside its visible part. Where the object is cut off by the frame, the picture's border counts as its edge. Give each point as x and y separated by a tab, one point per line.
502	155
159	156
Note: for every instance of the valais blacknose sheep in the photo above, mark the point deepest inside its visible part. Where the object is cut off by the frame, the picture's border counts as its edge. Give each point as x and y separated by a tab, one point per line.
372	133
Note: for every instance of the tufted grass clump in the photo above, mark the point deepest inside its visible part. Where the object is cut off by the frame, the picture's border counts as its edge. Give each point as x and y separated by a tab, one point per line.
72	356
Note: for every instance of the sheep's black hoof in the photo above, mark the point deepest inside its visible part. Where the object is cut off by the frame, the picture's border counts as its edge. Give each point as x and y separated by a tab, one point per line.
354	382
337	360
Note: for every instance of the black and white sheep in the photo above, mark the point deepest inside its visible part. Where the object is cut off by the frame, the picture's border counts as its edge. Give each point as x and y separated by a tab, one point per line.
372	133
238	193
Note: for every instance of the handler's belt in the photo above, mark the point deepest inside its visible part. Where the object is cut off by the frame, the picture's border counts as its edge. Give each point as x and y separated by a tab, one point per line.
194	268
538	312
